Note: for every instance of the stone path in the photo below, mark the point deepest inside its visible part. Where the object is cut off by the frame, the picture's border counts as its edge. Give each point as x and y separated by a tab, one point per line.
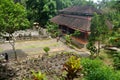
28	48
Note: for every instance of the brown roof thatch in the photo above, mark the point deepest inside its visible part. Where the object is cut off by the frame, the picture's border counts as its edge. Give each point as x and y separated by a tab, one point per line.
74	22
80	10
77	17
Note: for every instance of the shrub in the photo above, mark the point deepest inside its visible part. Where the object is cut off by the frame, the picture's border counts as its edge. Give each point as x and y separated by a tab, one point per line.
53	29
116	59
76	33
90	65
117	76
72	67
103	73
95	70
38	76
46	49
68	38
93	50
115	40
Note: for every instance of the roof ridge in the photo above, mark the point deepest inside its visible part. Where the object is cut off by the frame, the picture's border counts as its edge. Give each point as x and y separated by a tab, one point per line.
80	10
79	17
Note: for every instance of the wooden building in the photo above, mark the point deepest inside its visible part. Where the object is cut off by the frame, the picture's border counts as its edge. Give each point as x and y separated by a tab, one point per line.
76	18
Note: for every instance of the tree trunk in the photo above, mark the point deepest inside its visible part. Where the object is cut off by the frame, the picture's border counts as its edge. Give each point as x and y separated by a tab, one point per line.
98	51
14	52
13	45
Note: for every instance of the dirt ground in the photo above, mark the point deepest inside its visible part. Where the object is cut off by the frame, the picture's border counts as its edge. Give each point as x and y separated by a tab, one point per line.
30	48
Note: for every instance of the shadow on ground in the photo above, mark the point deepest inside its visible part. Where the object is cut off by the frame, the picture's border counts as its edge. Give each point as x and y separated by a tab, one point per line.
20	54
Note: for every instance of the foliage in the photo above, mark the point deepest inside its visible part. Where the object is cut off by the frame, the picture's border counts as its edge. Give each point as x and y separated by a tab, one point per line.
90	65
112	13
99	32
72	67
92	48
96	70
46	49
114	39
116	59
53	29
114	36
76	33
58	78
102	74
68	38
12	17
83	2
22	2
117	75
38	76
98	28
41	10
116	5
60	4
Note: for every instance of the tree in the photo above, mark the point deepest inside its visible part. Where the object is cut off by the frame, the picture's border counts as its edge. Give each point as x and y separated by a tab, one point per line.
60	4
115	5
113	13
83	2
79	2
99	31
40	10
115	36
103	4
12	18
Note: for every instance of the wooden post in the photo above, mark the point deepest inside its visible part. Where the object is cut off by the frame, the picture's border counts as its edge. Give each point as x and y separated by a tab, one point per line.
86	36
67	30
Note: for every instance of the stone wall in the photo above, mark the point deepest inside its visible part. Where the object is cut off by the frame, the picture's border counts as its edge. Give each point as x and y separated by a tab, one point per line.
26	35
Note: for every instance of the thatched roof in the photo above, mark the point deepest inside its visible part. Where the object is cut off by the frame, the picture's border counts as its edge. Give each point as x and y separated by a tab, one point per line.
74	22
77	17
80	10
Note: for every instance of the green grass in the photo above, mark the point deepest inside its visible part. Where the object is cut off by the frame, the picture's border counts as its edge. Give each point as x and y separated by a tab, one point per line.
1	50
39	46
106	58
